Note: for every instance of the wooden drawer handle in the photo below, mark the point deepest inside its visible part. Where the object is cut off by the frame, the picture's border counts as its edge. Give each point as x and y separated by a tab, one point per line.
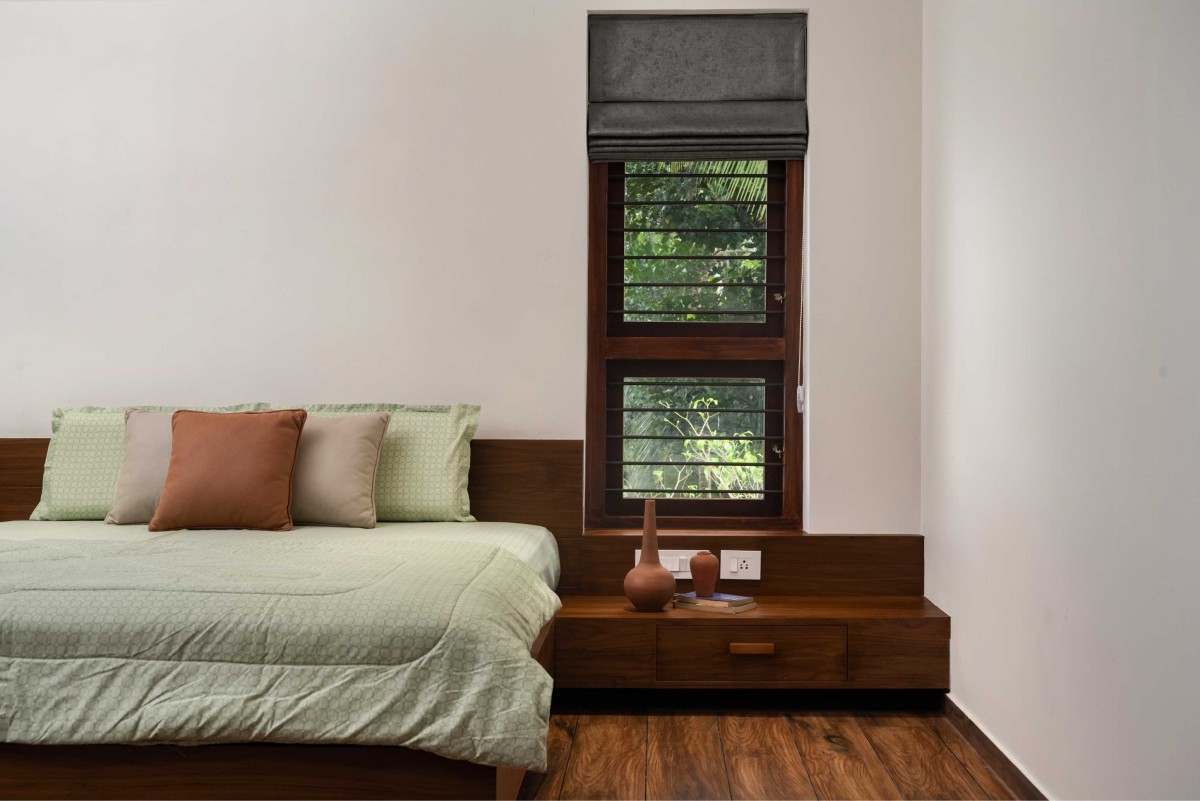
752	648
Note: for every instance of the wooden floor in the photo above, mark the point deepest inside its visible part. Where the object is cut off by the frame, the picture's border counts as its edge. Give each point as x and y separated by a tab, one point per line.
790	751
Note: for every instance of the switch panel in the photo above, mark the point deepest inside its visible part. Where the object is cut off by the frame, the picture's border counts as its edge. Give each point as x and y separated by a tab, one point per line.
745	565
675	561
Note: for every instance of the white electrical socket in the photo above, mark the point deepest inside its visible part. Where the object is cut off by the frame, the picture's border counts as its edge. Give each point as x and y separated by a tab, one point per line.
745	565
674	560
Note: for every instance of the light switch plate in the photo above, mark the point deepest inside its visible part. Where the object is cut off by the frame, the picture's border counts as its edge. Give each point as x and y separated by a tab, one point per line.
673	560
744	565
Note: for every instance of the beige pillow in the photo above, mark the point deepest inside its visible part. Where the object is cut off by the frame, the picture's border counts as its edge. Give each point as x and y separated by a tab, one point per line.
334	483
144	468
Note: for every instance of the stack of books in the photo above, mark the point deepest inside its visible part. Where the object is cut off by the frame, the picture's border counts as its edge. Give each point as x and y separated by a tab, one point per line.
720	602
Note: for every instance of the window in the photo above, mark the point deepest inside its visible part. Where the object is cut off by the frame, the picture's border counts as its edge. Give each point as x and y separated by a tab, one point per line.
694	343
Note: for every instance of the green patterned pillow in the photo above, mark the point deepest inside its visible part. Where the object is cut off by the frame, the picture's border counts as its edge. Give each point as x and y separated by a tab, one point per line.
424	460
87	444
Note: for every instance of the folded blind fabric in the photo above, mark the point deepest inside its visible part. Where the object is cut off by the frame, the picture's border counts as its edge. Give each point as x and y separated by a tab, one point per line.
705	86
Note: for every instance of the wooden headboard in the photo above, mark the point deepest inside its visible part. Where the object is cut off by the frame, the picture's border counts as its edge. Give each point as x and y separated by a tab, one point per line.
537	481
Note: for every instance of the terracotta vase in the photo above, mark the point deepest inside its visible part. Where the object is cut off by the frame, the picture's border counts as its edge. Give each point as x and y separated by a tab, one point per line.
704	565
649	586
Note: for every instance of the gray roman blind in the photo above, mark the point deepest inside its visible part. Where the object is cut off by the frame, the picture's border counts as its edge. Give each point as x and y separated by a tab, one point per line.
696	86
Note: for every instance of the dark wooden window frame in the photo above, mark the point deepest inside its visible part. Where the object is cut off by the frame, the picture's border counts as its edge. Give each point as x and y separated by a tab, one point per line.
614	346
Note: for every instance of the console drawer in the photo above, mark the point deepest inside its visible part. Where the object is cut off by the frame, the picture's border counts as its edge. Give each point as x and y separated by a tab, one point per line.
697	653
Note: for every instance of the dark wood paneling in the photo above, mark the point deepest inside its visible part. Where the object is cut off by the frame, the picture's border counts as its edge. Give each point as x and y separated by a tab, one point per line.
597	653
996	760
608	759
21	465
901	653
762	759
796	653
537	481
237	771
793	564
840	759
692	740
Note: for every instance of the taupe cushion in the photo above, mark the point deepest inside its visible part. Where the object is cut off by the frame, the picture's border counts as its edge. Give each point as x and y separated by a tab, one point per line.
144	468
334	483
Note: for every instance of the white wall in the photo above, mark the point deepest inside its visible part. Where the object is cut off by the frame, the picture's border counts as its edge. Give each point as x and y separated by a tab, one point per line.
318	200
1061	382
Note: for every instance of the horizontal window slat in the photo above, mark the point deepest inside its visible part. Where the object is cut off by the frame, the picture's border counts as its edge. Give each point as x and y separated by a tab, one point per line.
676	312
681	437
700	283
696	464
697	230
759	257
696	202
697	491
692	175
712	410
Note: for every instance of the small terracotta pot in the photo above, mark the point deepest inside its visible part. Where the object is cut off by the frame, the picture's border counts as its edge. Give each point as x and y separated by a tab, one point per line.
649	586
704	567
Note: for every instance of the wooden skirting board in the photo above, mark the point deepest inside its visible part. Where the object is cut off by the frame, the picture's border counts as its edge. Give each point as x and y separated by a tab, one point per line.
995	759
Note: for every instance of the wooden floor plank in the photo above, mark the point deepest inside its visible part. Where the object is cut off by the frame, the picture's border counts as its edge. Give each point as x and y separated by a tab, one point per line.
967	756
548	786
840	760
608	759
761	759
992	785
684	758
919	762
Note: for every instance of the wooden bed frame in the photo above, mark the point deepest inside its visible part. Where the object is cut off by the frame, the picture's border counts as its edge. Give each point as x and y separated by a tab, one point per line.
520	481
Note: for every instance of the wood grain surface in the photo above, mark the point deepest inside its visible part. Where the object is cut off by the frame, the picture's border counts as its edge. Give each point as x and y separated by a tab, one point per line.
608	759
840	759
762	760
920	763
678	740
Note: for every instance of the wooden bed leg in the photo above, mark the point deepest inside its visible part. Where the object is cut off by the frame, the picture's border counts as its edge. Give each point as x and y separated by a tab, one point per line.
508	783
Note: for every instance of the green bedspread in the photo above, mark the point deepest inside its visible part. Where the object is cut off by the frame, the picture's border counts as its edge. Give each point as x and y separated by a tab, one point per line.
259	638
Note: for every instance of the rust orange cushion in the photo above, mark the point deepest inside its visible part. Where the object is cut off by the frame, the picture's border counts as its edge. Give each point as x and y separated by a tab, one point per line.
230	471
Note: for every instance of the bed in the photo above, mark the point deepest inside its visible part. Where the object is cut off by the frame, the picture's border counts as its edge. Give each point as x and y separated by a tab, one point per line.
395	662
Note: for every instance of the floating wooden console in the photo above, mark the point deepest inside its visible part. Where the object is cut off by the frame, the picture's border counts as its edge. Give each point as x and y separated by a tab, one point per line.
893	642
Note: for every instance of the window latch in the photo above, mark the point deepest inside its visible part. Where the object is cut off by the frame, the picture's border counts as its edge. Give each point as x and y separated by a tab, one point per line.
800	399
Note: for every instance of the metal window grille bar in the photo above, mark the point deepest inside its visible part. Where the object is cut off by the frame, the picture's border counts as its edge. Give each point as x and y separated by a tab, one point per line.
765	438
699	230
698	491
758	284
695	383
695	202
710	410
744	312
751	257
692	175
691	464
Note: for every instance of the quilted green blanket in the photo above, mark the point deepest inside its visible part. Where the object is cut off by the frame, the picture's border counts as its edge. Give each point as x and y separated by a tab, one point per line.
183	639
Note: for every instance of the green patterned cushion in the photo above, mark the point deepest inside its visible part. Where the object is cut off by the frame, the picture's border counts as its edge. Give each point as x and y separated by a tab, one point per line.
87	444
424	460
